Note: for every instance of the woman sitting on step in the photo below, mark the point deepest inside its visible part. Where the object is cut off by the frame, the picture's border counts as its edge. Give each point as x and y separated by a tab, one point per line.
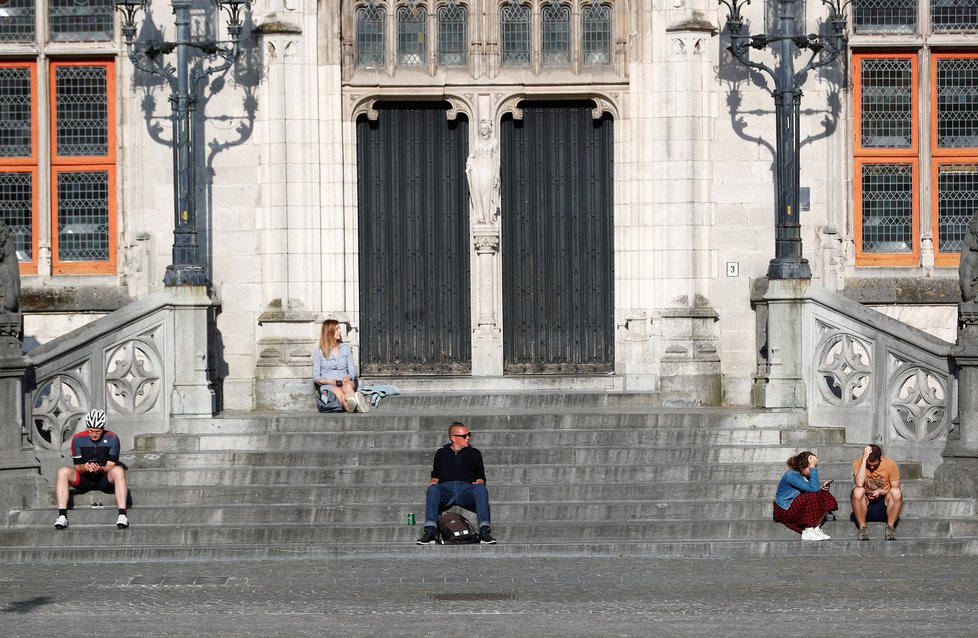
801	503
333	370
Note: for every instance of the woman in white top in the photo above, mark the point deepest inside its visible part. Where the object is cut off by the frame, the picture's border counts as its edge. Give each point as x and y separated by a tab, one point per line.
333	369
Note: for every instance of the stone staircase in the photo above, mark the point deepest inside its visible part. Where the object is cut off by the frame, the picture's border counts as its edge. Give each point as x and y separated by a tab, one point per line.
569	475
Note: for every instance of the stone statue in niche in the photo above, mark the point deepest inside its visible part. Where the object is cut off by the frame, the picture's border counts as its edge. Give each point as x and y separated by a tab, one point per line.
482	169
968	267
9	271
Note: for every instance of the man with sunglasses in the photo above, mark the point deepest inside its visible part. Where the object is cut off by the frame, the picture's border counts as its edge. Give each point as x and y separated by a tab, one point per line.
458	477
95	454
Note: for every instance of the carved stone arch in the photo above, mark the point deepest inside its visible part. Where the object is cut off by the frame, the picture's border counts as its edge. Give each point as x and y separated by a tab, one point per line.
367	105
511	105
458	104
364	106
605	104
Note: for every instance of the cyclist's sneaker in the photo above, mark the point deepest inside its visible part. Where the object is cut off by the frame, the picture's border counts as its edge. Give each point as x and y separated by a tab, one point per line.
61	522
123	521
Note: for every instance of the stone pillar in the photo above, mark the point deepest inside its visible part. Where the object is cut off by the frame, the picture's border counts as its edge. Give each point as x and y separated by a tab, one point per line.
690	353
958	473
487	357
783	385
193	393
12	368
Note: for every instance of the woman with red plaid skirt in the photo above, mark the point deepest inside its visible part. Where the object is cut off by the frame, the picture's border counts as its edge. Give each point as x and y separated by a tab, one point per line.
801	503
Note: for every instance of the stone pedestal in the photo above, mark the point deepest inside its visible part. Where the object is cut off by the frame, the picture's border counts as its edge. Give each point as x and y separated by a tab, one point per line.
286	340
690	359
487	341
193	394
958	474
782	384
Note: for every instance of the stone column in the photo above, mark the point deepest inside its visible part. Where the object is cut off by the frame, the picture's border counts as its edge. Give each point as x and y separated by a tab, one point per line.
487	342
193	393
12	368
783	385
965	442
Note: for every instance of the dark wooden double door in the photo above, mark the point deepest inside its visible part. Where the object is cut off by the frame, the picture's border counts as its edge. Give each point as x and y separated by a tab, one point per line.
556	240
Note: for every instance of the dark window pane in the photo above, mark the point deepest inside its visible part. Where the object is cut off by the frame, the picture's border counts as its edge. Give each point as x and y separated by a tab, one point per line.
887	208
15	112
81	20
555	34
514	34
452	35
17	21
957	102
412	43
954	16
957	202
596	34
884	16
83	216
16	203
371	36
886	103
82	111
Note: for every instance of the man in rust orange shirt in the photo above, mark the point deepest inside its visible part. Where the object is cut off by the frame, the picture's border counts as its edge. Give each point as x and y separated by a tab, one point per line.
877	495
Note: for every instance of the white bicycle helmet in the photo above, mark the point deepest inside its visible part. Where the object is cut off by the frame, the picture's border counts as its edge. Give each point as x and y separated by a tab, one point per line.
95	420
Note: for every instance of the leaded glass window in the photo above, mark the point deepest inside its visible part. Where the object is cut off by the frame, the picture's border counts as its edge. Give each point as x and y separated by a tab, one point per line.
412	22
83	216
371	36
957	102
885	16
555	34
81	104
16	104
949	16
17	210
17	21
887	208
957	202
81	20
596	34
453	36
514	33
886	104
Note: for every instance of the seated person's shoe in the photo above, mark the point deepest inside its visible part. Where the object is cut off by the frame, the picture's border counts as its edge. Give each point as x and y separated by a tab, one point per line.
361	401
122	522
889	534
863	534
485	537
61	522
429	537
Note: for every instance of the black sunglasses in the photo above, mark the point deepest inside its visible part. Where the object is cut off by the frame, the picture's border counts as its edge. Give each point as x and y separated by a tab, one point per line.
464	436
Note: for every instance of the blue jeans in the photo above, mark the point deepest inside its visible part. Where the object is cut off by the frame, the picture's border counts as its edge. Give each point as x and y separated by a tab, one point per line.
441	496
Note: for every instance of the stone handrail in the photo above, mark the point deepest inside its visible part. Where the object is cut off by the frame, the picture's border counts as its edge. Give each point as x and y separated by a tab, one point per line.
885	381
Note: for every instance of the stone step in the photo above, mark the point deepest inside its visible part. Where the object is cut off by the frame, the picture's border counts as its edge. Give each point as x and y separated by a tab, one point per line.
384	494
517	532
303	452
492	419
485	439
561	473
581	512
80	552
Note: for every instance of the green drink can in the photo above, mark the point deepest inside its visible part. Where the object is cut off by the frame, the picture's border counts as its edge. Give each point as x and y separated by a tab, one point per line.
411	518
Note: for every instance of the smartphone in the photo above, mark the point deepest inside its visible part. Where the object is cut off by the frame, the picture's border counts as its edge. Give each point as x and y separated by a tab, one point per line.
826	483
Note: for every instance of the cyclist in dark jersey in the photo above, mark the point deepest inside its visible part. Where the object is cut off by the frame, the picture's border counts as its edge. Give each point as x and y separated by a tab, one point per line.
95	454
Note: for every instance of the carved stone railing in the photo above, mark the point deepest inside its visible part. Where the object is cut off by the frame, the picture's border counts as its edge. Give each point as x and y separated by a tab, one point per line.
141	364
885	381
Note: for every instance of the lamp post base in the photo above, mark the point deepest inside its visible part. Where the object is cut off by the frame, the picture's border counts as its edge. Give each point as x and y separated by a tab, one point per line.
184	275
789	269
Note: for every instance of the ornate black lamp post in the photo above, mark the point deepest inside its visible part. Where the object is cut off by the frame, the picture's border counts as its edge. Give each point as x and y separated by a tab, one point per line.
150	57
788	262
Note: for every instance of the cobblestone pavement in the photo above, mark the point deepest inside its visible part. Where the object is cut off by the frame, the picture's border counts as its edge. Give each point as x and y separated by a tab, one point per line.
496	597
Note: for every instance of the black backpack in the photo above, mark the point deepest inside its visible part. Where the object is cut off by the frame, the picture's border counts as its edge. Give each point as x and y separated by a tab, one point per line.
326	401
455	529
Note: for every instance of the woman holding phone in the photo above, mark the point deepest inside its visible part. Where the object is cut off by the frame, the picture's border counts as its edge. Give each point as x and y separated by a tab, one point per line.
801	502
333	369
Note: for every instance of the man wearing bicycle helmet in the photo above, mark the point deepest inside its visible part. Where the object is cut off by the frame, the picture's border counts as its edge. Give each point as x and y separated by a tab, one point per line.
95	454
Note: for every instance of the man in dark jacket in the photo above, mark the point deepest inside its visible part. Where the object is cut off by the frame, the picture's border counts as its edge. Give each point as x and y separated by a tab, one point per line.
458	477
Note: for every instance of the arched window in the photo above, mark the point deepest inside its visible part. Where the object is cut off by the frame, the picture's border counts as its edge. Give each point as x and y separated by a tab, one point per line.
412	38
371	36
514	33
453	34
596	34
555	36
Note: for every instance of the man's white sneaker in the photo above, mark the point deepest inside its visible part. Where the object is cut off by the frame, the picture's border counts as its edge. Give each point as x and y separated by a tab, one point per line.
61	522
825	537
123	521
811	534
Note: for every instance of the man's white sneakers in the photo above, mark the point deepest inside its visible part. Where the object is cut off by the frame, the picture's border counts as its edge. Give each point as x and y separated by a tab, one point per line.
814	534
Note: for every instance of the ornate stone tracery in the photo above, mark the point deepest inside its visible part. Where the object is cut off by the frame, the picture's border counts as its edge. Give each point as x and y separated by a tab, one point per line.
844	365
917	406
133	377
58	405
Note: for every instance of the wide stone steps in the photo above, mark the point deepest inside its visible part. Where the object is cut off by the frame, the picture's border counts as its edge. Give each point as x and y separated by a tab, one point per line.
412	494
569	475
